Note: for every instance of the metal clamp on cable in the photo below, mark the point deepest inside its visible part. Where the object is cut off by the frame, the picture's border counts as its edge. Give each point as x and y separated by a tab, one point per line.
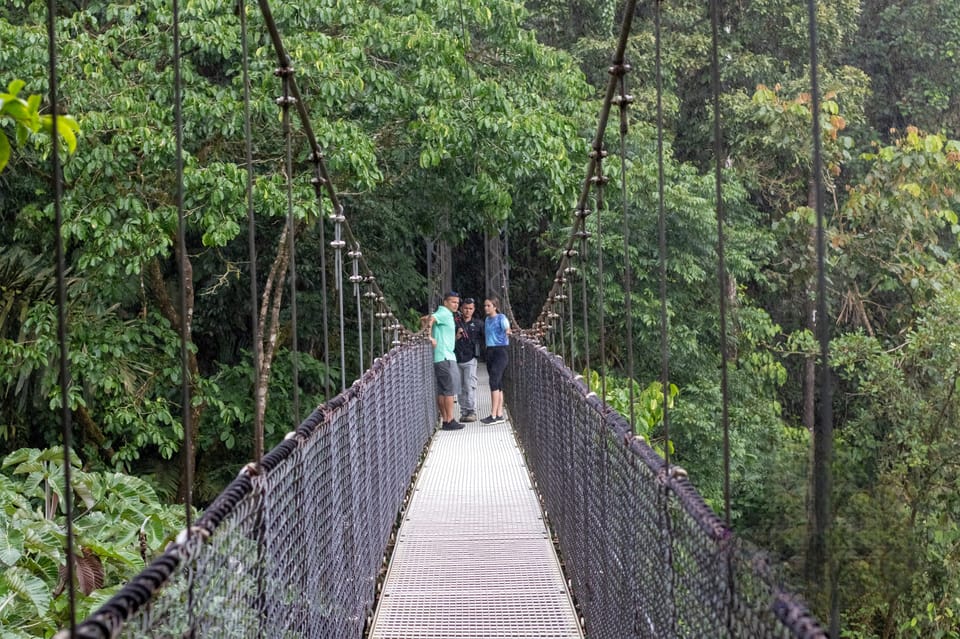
187	534
619	69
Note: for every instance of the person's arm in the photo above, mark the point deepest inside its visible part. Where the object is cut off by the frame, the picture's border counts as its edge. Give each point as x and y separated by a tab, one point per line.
426	323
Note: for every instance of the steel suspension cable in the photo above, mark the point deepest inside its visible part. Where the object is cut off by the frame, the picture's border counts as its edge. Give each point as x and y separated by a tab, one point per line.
338	243
355	279
372	296
662	241
722	276
723	286
286	73
563	336
252	238
382	314
819	555
623	100
570	271
600	181
584	234
316	155
184	314
182	267
664	335
319	182
505	276
578	231
66	423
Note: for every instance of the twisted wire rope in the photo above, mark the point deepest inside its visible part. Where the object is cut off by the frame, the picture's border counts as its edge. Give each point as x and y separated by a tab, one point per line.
66	425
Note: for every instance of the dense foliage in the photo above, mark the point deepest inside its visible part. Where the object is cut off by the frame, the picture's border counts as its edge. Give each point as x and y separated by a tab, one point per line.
444	120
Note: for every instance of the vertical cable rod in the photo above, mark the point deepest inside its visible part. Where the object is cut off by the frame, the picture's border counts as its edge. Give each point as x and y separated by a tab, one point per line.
66	423
664	335
600	180
570	273
723	286
722	276
355	279
662	235
285	103
182	267
338	243
184	314
819	555
319	182
251	239
584	234
372	297
623	100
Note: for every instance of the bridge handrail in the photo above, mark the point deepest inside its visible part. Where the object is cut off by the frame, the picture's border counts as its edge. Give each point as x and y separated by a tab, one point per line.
645	553
365	453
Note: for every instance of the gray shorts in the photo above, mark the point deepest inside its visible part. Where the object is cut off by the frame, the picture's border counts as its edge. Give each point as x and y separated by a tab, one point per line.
448	377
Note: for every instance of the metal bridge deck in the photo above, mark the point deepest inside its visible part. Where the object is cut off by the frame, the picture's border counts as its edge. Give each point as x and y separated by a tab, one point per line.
473	558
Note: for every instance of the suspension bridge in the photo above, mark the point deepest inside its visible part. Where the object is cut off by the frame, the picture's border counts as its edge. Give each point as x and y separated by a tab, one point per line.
368	521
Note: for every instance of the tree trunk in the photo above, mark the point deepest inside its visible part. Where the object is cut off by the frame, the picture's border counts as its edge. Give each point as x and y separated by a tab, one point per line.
270	301
161	294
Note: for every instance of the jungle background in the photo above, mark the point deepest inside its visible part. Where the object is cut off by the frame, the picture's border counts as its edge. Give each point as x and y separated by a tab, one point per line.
445	121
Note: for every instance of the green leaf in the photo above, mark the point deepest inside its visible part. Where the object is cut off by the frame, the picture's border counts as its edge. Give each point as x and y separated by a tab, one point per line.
28	587
11	547
4	150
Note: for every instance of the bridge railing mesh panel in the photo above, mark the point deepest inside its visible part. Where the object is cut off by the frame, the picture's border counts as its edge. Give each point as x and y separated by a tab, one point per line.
646	556
295	550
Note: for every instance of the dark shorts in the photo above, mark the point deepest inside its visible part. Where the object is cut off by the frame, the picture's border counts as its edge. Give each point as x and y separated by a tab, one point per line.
496	364
448	377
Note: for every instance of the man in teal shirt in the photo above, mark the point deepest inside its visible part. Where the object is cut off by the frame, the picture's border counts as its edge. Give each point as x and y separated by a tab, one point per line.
443	336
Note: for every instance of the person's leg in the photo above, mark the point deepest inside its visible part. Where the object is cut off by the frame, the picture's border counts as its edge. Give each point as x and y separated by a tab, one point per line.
464	396
496	403
447	387
496	363
468	390
448	383
446	409
472	385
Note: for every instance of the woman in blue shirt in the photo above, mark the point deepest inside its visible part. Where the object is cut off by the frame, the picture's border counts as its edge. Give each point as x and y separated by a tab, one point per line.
497	331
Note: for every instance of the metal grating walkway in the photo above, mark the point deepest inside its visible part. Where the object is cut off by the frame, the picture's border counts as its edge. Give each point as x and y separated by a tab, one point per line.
473	559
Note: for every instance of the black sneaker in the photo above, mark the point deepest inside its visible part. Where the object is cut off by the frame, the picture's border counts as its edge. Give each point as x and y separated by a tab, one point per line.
487	421
452	425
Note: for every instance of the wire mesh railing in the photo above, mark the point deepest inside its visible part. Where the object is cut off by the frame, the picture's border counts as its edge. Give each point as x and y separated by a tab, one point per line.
294	550
646	556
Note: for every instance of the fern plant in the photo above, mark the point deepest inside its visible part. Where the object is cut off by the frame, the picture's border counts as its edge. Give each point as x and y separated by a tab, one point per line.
646	408
118	525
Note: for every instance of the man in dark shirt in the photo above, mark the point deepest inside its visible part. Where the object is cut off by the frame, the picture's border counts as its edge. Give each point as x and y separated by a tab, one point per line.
467	348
